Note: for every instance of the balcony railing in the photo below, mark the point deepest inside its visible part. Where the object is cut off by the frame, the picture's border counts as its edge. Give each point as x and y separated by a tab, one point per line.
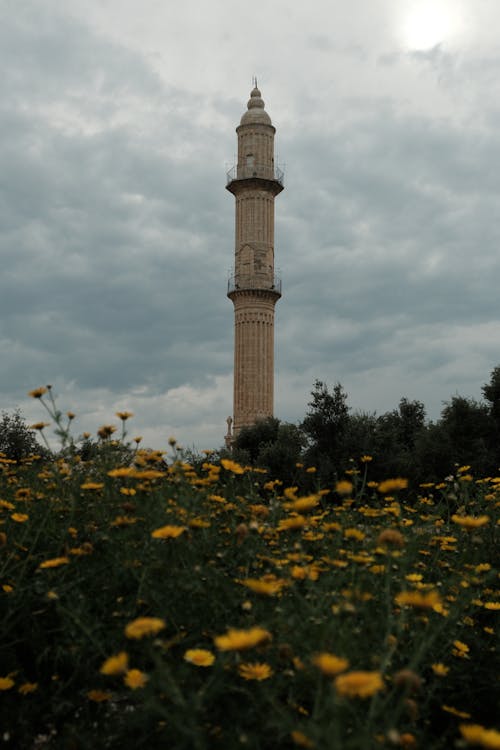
238	282
263	171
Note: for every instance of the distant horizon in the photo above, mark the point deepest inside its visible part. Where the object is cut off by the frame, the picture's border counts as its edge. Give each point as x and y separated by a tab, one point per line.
191	446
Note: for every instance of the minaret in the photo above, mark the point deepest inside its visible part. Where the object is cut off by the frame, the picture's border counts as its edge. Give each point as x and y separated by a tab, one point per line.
253	287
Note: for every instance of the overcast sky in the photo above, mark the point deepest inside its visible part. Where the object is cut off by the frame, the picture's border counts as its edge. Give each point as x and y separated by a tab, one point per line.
117	124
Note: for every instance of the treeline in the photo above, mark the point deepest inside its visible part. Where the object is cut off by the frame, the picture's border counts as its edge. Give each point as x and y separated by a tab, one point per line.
402	442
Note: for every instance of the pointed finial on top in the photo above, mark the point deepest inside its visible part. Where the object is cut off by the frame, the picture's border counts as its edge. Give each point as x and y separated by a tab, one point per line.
254	82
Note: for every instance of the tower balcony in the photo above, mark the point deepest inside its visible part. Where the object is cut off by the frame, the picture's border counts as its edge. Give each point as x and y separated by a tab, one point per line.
240	283
255	171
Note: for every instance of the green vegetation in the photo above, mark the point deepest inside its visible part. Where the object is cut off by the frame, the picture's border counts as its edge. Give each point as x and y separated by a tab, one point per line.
402	442
151	602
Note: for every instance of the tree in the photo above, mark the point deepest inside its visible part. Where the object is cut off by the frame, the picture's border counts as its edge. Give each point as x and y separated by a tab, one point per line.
17	440
411	416
281	455
470	429
325	426
433	454
270	444
491	392
250	440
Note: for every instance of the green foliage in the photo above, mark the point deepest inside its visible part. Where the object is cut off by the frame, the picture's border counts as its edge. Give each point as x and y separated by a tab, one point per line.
17	440
271	444
491	392
251	439
325	426
470	429
402	442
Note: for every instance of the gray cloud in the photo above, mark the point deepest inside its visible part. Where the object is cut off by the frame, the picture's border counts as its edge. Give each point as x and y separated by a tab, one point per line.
116	232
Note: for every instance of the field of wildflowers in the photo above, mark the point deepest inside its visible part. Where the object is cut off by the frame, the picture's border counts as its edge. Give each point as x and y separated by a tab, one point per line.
148	602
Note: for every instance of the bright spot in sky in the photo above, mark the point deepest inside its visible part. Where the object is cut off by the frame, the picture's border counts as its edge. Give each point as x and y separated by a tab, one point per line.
428	24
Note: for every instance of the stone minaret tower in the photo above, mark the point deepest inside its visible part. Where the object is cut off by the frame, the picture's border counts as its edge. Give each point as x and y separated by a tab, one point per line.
253	287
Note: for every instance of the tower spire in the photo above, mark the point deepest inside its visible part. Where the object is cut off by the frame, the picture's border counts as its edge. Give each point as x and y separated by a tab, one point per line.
253	287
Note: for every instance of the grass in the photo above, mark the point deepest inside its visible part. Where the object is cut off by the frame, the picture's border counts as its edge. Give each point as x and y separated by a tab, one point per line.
367	614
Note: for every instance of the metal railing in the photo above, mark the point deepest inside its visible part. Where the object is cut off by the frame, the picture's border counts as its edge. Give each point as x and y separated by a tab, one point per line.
262	171
238	282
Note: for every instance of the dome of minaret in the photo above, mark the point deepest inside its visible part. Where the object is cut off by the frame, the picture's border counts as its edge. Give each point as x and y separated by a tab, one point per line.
255	112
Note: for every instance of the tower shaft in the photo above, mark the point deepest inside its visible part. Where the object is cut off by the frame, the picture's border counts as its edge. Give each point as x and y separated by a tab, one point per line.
253	286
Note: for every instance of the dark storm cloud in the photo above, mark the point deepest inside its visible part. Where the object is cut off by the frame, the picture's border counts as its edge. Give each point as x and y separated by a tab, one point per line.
116	232
393	247
101	221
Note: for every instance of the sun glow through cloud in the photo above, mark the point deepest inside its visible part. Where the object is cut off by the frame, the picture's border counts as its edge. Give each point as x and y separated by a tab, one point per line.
428	24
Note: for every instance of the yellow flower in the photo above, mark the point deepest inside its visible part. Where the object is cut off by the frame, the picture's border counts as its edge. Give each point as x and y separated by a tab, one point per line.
92	486
366	459
6	683
229	465
461	650
389	485
115	665
55	562
292	523
238	640
344	487
199	523
417	599
456	712
475	733
305	572
354	534
470	522
27	687
168	532
358	684
106	431
144	626
255	671
124	521
98	696
146	474
300	739
482	568
39	426
303	504
123	471
330	664
200	657
19	517
440	669
217	499
492	605
5	504
269	585
124	415
135	679
38	392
